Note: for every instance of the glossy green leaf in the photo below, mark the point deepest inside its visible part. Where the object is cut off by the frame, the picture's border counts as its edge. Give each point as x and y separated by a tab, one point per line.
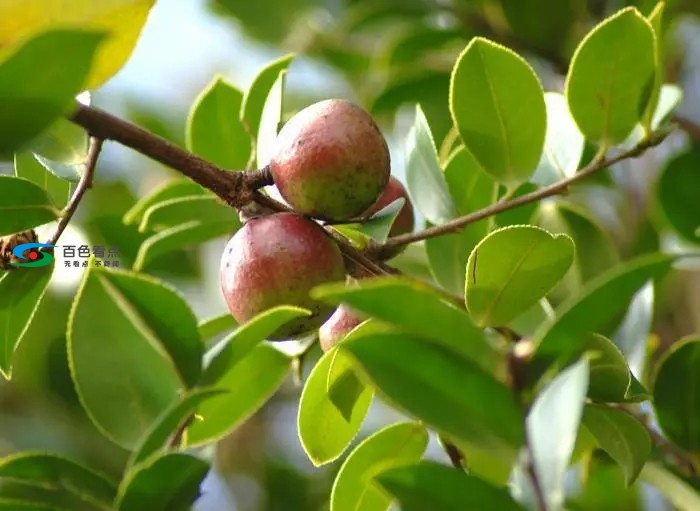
622	436
406	304
677	394
123	375
62	149
563	143
21	505
214	129
471	189
552	441
633	335
679	492
167	315
378	225
169	483
270	121
174	212
170	190
255	97
611	77
183	235
602	301
610	376
511	269
251	382
21	291
216	325
394	446
424	178
656	22
231	350
465	402
678	180
432	486
670	97
494	95
45	470
39	81
23	205
172	421
324	430
27	167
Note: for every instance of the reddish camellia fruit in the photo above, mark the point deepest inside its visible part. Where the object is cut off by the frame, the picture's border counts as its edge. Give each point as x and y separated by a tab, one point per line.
330	160
276	260
338	325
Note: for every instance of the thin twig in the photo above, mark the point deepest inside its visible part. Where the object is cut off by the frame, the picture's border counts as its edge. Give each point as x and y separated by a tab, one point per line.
84	183
453	453
557	188
534	479
691	128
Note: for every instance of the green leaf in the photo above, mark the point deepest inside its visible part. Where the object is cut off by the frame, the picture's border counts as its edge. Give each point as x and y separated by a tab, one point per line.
393	446
39	81
471	189
512	269
324	430
256	96
611	77
214	129
527	323
45	470
563	143
217	325
498	107
169	483
378	225
21	291
167	315
270	121
602	302
610	376
680	493
407	303
655	20
622	436
23	205
633	334
669	98
123	375
424	178
231	350
170	190
174	212
677	394
170	422
675	188
27	167
62	150
552	441
251	382
432	486
20	505
183	235
465	402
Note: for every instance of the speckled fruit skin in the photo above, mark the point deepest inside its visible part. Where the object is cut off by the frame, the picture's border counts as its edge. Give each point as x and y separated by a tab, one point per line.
338	325
330	160
276	260
405	221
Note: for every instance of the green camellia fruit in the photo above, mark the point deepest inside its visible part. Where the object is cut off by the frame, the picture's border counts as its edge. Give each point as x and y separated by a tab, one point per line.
330	160
338	326
276	260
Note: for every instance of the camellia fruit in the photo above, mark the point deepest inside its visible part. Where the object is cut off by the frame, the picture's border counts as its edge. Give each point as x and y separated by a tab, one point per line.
276	260
330	160
338	326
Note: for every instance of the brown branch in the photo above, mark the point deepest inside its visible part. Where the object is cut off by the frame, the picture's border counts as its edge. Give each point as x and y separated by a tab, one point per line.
84	183
691	128
557	188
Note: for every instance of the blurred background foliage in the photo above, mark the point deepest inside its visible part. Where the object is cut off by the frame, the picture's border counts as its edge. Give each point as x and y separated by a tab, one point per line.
386	55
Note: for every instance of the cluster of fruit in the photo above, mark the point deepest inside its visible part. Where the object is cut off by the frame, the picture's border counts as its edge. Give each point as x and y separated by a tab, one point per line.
330	162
